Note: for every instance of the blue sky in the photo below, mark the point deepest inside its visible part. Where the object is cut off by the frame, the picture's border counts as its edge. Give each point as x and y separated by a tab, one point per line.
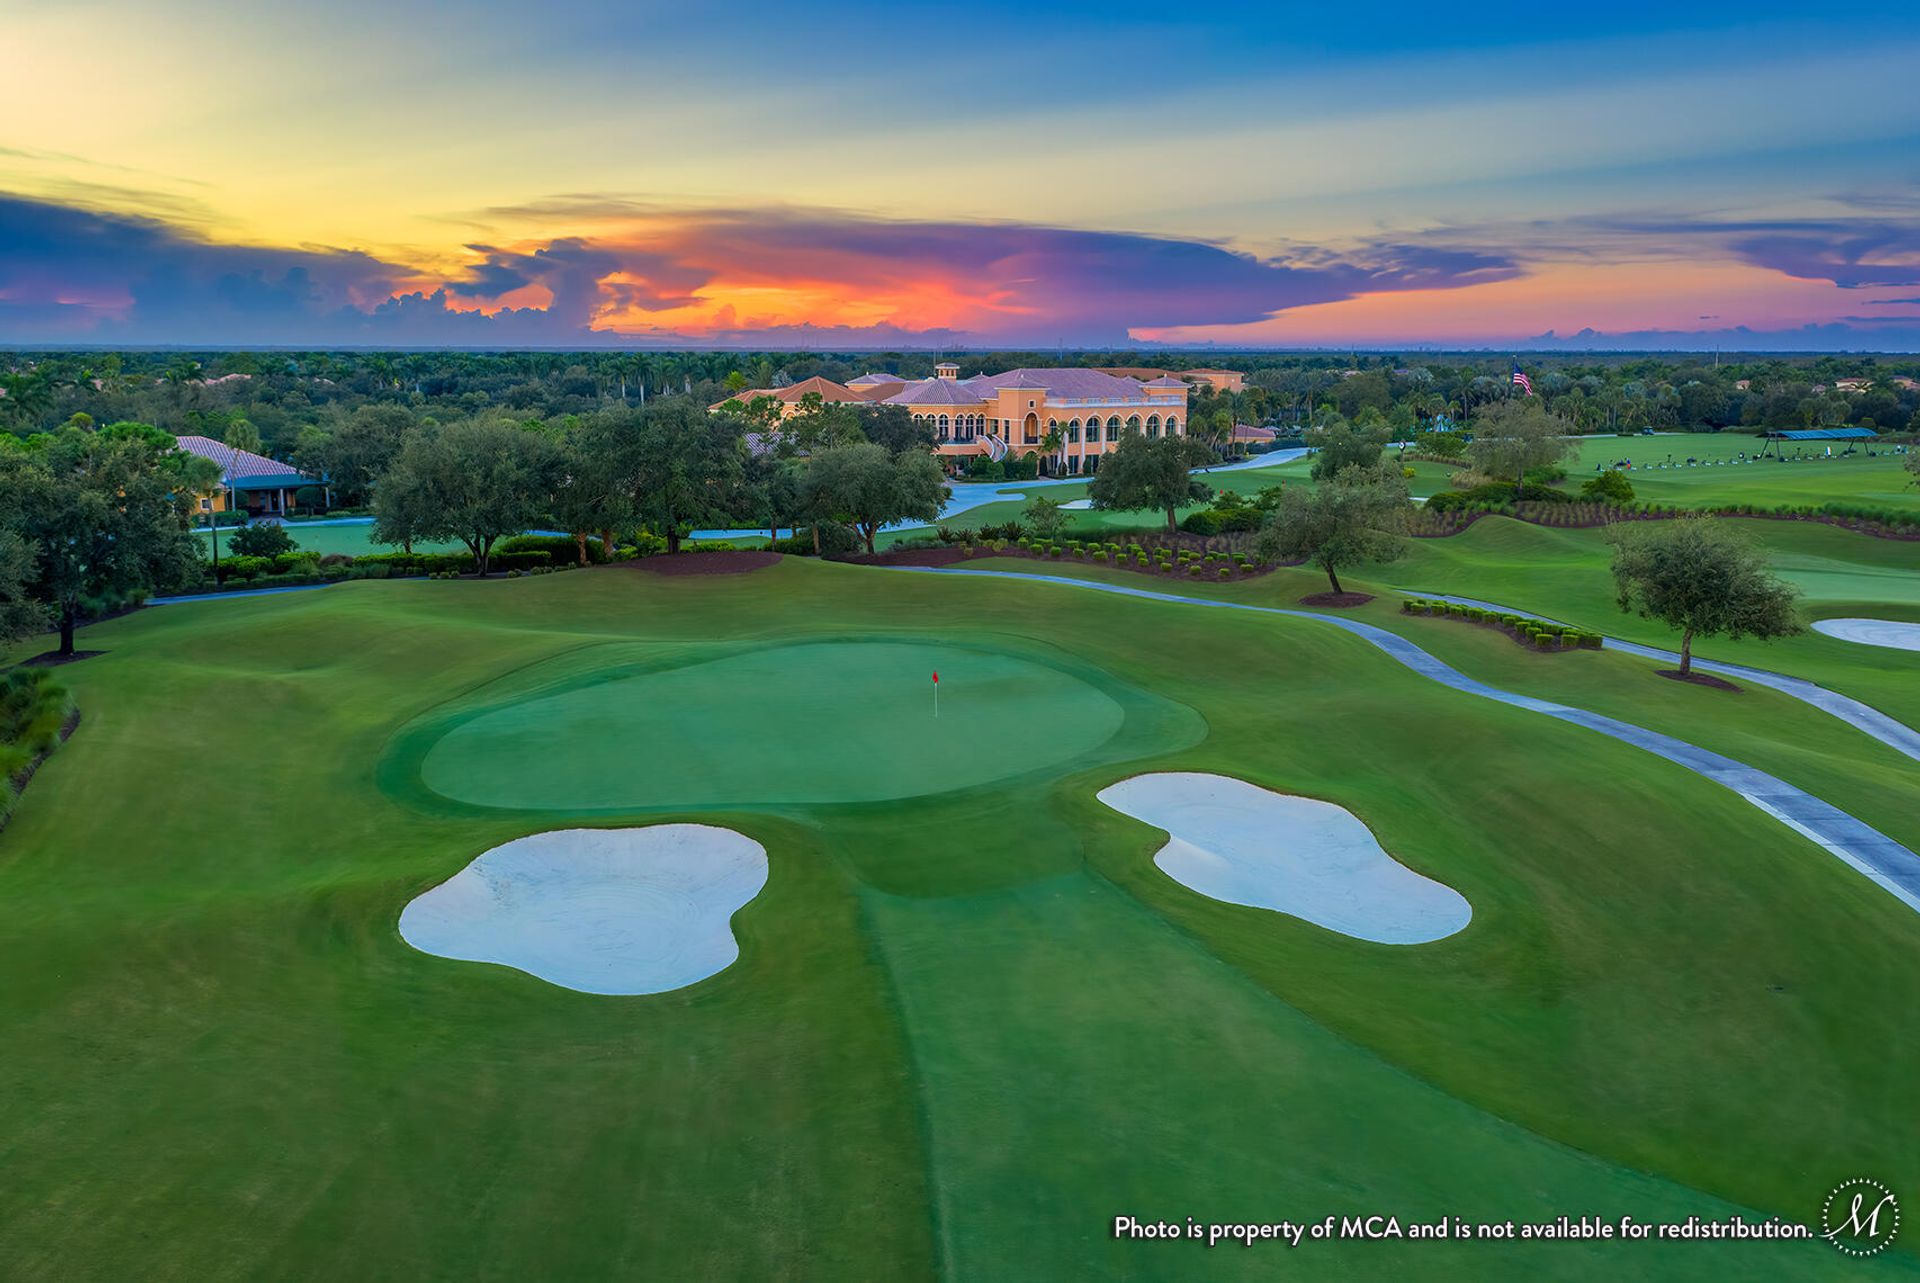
998	173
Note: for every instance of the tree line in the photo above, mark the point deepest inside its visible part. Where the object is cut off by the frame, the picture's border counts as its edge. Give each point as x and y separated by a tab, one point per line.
288	403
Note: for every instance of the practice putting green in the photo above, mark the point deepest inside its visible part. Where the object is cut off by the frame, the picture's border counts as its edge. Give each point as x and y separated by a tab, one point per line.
821	722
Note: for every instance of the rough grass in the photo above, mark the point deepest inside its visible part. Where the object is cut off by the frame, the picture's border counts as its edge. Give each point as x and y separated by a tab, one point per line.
966	1029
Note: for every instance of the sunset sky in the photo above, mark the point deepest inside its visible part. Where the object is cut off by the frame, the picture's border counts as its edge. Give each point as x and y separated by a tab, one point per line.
994	174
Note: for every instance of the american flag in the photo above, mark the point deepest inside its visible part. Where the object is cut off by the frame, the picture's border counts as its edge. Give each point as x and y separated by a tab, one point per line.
1522	381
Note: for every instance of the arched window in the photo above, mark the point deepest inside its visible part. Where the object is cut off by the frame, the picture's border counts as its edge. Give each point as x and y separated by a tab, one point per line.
1153	425
1113	427
1073	431
1133	423
1173	426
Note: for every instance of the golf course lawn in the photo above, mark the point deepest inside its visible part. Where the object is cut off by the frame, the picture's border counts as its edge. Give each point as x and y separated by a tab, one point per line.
618	737
971	1022
1877	481
1564	575
347	540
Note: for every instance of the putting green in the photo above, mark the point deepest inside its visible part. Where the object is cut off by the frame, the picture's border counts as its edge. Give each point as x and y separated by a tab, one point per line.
818	722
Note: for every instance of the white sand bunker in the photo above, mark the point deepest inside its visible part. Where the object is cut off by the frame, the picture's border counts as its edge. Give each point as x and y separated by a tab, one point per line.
1872	632
1236	842
612	911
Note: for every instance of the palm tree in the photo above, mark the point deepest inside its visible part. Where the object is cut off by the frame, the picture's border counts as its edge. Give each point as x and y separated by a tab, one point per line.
1052	442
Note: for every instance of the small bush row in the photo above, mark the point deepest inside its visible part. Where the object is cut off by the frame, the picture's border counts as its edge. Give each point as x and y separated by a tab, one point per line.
1537	633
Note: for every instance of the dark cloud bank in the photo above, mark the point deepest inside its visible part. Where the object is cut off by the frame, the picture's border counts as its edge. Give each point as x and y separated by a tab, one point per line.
70	275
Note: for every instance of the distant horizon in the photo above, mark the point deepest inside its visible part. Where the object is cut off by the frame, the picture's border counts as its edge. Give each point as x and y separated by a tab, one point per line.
1383	176
1724	354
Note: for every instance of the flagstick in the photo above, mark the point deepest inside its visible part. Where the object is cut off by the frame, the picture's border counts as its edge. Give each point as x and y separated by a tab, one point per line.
936	699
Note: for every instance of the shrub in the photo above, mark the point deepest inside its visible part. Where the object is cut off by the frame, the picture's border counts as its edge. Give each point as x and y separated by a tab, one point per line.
1099	554
558	548
260	541
244	567
1203	522
1226	572
1609	487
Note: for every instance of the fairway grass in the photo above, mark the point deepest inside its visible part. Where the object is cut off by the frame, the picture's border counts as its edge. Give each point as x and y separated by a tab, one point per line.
1717	478
967	1026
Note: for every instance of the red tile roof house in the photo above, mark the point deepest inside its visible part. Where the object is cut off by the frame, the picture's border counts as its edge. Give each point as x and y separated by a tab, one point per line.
252	481
1082	412
1246	434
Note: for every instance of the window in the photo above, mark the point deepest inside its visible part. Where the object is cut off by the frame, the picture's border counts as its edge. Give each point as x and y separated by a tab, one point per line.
1153	425
1113	427
1073	431
1133	423
1173	426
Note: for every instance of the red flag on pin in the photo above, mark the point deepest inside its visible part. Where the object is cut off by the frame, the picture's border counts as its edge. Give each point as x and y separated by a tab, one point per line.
936	679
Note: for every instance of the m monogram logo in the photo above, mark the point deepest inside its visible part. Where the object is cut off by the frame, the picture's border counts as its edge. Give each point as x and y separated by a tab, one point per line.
1860	1217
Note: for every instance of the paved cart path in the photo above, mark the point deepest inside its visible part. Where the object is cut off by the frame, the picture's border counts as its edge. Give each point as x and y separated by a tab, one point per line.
1862	717
1866	849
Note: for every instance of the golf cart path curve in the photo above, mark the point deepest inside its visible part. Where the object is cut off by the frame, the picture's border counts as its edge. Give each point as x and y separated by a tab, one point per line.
1862	717
1873	854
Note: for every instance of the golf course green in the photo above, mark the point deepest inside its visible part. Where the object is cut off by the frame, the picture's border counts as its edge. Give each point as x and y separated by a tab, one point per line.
729	730
971	1021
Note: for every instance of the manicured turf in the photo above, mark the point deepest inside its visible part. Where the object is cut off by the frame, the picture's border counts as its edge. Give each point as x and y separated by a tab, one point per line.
343	540
1717	477
1564	574
1876	482
852	721
967	1027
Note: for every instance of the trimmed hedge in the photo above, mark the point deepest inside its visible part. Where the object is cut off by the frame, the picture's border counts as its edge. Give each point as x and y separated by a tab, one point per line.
1537	633
557	547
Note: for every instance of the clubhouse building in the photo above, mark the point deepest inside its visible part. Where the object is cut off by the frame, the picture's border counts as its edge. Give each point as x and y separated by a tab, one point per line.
1066	418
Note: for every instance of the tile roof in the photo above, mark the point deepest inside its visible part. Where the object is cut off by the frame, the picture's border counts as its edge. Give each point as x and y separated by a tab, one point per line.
936	392
235	464
868	378
1165	381
1076	383
829	391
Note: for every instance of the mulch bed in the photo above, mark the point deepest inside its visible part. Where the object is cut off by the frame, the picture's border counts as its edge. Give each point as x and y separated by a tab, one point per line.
950	555
708	563
1698	679
919	557
1341	599
53	658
